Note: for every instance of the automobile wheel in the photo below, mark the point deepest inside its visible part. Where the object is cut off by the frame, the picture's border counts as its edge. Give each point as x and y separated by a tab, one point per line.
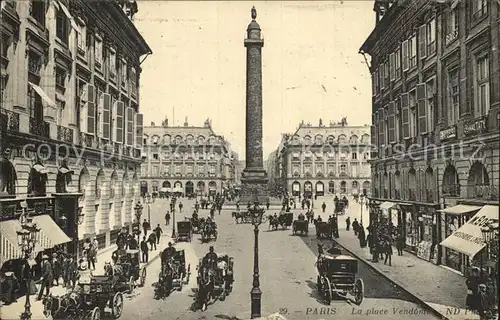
96	314
117	305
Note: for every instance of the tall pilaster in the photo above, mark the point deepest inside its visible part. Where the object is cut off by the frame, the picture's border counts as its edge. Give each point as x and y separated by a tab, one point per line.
254	178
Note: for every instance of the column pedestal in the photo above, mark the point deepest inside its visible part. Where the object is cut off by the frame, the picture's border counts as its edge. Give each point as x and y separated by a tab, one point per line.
254	181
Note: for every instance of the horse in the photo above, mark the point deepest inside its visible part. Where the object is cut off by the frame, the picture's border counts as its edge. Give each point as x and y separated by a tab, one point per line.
165	280
239	215
205	287
310	216
207	231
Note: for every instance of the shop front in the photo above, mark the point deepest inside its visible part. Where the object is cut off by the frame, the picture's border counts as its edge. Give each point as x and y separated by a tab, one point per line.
464	244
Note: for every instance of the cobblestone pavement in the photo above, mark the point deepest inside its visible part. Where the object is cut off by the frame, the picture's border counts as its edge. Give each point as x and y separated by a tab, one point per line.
287	278
440	288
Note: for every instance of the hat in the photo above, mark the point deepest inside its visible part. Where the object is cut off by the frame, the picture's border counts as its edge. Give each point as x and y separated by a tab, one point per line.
45	257
474	269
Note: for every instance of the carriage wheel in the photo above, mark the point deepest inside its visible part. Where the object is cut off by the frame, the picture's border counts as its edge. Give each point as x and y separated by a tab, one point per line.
117	305
142	278
131	284
47	308
264	219
359	291
222	296
96	314
327	291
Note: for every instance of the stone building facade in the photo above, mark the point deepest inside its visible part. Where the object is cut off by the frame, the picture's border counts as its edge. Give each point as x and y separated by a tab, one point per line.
190	160
70	113
435	111
324	160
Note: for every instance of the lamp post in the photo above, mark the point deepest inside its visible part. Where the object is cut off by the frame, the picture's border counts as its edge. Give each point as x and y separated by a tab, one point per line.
256	212
149	209
26	238
491	237
174	233
138	213
361	198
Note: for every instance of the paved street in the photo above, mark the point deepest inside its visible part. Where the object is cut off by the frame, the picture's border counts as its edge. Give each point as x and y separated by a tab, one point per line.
288	278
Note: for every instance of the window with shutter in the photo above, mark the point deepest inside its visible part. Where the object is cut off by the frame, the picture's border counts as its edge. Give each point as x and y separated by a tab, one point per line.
397	64
139	130
405	115
106	116
129	127
381	128
391	123
377	86
392	66
382	76
406	62
91	109
373	130
397	116
373	83
422	42
422	108
119	121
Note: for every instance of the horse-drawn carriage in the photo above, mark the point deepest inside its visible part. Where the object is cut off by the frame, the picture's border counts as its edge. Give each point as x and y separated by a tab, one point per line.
301	226
208	230
337	277
126	269
340	206
323	230
284	220
173	274
184	231
214	282
89	301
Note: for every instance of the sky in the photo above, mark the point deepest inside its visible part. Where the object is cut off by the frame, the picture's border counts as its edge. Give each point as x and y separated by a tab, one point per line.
311	65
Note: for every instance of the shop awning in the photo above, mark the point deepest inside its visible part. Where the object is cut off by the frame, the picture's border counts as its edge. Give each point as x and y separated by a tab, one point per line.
468	239
460	209
50	234
43	95
9	247
387	205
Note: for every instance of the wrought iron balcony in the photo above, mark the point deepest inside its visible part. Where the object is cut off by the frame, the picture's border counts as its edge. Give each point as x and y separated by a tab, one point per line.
10	120
65	134
451	190
39	128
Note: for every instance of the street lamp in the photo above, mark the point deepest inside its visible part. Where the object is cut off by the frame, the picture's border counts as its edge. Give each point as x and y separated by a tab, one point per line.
149	208
361	198
26	238
172	203
256	213
138	213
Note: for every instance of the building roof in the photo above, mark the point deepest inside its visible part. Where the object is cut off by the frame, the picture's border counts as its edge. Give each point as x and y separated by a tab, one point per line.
335	131
173	131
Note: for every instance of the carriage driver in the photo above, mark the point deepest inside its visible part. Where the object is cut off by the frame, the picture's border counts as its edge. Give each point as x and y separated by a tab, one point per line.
168	253
210	258
301	217
334	250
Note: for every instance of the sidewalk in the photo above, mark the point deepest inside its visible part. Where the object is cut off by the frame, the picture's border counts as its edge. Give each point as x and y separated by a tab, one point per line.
440	289
14	310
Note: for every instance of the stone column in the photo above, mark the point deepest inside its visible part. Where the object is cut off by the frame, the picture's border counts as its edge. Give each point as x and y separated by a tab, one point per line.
254	178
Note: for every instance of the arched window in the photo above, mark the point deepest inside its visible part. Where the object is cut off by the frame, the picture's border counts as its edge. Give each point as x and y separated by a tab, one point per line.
167	139
98	183
412	184
178	139
296	140
429	185
330	139
318	139
354	139
307	140
451	184
8	177
342	138
478	182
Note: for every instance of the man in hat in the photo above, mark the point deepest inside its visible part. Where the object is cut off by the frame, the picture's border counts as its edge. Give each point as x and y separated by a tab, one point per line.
472	282
146	226
334	250
56	268
145	250
167	253
132	242
158	231
211	258
84	273
47	277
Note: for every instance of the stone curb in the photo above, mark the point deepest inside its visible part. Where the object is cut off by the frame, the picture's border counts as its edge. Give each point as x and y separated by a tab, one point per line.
395	282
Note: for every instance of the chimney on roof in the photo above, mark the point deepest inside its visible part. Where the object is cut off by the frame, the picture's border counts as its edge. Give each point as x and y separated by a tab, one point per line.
152	124
320	122
207	123
164	123
186	122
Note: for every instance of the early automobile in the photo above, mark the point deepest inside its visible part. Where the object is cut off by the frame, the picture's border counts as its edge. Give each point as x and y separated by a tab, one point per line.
89	301
337	277
128	269
301	226
184	231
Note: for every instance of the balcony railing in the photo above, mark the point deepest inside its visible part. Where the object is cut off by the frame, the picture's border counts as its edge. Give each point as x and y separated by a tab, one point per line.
486	192
65	134
39	128
451	190
10	120
412	195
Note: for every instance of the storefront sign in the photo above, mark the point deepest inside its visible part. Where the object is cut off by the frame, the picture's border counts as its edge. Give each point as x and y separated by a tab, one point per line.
448	133
476	126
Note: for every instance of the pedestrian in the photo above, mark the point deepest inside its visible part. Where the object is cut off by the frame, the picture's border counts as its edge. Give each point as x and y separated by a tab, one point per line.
472	282
95	243
71	271
355	226
152	240
9	285
167	218
361	236
132	242
400	243
388	251
158	231
267	204
180	206
146	226
47	277
348	223
83	274
323	207
92	256
483	303
57	268
145	250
